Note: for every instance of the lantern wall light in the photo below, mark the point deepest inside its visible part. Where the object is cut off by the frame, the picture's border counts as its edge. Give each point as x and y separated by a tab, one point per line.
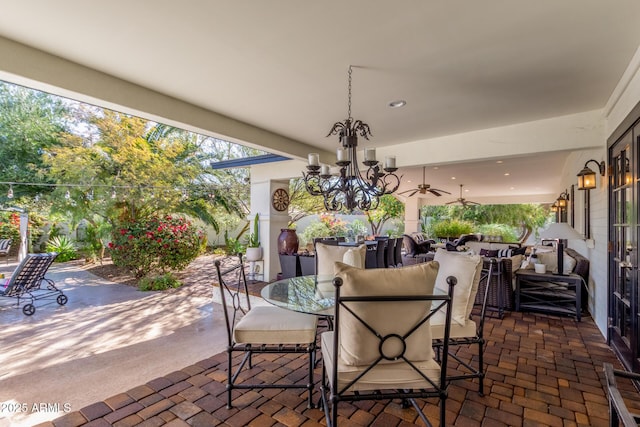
587	177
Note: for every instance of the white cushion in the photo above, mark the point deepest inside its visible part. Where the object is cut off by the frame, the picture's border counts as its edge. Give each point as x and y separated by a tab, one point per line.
358	345
476	246
467	330
550	259
328	255
274	325
355	257
393	375
467	269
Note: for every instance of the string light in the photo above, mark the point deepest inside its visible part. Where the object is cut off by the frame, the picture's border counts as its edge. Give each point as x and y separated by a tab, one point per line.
90	192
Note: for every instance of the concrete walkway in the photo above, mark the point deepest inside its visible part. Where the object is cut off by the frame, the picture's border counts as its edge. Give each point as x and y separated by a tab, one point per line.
108	338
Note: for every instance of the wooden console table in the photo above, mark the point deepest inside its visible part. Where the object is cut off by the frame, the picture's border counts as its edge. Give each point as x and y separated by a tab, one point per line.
549	293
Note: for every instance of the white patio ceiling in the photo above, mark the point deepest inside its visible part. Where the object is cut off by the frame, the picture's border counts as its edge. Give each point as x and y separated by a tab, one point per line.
282	65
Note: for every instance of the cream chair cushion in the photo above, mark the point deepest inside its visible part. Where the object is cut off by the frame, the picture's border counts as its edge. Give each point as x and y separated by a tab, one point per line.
396	375
358	346
274	325
467	269
328	255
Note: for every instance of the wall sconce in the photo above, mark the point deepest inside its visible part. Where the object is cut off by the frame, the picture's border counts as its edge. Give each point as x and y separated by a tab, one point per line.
562	199
587	177
587	181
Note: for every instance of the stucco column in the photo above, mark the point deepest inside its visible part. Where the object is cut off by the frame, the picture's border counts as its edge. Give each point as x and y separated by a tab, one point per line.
411	215
271	222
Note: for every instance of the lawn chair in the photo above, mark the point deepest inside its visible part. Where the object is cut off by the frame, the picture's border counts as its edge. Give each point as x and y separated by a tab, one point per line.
27	282
5	247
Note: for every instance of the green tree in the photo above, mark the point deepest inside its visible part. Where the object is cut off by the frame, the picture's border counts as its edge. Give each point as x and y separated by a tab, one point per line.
31	122
133	169
389	207
524	217
301	202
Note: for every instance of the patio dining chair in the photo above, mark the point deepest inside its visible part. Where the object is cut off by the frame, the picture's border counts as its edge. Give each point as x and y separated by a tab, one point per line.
380	348
619	413
465	329
328	255
261	329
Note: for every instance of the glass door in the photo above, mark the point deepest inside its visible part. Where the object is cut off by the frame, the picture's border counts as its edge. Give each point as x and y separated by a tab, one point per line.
624	235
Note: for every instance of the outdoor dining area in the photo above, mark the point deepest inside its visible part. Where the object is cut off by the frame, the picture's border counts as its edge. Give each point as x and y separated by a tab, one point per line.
526	368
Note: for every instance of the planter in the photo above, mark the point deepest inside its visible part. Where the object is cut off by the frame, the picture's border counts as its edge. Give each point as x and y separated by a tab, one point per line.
254	254
288	242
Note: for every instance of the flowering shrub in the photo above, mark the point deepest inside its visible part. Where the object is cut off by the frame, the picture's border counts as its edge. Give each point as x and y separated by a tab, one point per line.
156	243
327	226
10	227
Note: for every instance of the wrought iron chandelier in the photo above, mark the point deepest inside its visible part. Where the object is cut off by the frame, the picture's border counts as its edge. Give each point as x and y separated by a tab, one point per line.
350	189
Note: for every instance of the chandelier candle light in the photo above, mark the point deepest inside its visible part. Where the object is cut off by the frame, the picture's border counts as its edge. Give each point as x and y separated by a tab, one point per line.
351	189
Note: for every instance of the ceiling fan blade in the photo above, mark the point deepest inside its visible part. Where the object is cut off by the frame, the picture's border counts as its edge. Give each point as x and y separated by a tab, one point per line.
440	191
450	203
414	192
434	192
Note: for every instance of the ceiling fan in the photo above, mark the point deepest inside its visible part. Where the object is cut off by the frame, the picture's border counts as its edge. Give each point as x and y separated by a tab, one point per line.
464	202
424	187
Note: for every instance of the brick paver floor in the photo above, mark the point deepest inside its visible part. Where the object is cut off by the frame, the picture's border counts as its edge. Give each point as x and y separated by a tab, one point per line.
541	371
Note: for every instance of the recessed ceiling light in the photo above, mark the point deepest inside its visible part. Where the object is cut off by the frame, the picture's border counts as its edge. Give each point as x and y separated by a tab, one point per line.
499	161
507	174
512	188
453	177
409	180
436	167
397	104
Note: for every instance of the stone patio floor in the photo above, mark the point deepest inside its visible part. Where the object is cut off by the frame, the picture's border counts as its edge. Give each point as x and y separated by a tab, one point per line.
542	371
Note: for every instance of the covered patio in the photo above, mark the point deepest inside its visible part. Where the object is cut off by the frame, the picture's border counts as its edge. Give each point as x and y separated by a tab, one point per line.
514	98
542	371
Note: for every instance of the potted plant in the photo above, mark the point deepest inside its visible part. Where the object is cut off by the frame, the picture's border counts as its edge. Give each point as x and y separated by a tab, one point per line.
254	250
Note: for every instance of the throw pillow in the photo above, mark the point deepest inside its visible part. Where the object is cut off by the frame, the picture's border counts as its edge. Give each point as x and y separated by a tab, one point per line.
550	259
358	345
519	250
465	268
505	253
489	253
355	257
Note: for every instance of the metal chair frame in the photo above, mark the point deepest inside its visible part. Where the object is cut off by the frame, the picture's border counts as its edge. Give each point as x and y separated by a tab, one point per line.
479	340
330	396
618	412
238	294
27	282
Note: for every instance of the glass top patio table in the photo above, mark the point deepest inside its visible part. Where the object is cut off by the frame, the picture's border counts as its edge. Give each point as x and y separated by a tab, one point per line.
305	294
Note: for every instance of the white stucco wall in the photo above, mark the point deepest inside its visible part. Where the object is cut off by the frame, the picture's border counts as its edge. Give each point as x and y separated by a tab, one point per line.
597	254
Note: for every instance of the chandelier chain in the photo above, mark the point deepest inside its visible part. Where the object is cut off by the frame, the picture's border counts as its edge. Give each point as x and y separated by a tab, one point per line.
349	93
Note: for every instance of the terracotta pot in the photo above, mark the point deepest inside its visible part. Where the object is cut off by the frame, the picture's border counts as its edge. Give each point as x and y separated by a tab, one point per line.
288	242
